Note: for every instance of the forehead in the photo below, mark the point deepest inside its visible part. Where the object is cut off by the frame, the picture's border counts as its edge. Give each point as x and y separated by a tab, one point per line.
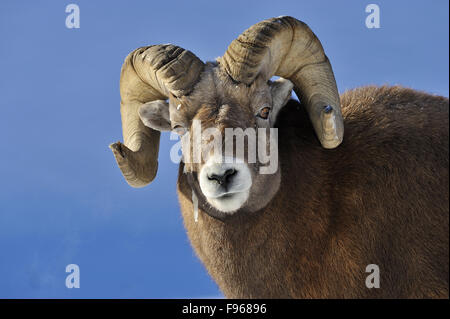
214	91
217	88
240	94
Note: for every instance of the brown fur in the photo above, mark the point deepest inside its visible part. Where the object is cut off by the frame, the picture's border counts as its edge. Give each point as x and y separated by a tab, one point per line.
381	197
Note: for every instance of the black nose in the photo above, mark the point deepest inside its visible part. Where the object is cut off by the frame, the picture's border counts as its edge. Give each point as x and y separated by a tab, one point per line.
224	179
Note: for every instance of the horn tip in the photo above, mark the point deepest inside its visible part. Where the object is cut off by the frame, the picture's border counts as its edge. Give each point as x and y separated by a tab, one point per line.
117	149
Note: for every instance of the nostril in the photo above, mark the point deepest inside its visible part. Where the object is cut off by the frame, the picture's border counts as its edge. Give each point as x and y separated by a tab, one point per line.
214	177
228	174
223	179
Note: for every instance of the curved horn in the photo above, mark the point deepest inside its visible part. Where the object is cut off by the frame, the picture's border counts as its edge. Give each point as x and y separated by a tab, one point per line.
287	47
148	74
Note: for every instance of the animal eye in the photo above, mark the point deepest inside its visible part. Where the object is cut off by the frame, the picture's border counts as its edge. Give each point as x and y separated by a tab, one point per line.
264	113
180	130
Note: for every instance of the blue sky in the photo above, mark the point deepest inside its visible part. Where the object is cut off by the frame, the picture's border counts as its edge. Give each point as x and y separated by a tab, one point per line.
62	197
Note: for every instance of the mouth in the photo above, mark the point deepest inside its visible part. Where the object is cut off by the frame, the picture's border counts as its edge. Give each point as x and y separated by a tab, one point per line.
229	202
229	194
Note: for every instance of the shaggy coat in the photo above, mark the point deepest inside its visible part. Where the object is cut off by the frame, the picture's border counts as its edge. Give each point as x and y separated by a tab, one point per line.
381	197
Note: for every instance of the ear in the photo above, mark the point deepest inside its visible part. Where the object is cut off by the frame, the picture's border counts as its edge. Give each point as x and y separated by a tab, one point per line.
281	91
155	115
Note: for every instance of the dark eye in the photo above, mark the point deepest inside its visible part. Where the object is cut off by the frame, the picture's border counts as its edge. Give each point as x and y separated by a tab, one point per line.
180	130
264	113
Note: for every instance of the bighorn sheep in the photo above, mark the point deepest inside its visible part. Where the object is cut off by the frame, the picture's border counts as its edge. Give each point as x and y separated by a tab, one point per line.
309	229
